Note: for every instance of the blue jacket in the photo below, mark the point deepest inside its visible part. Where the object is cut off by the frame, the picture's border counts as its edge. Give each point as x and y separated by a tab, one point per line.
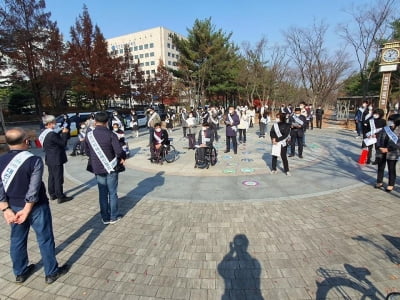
236	121
108	142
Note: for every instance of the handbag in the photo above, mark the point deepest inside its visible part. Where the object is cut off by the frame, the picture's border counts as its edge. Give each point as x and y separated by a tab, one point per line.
119	167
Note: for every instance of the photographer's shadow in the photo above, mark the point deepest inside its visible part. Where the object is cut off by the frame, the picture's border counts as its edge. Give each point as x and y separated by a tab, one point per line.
240	271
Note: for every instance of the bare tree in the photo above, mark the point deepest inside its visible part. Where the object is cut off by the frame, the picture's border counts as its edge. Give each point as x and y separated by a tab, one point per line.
320	73
365	34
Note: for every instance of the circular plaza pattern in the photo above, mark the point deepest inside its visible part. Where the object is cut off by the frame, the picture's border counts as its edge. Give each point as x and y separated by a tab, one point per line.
186	233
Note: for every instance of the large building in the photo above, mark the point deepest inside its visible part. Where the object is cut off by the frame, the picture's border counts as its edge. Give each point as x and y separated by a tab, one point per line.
147	47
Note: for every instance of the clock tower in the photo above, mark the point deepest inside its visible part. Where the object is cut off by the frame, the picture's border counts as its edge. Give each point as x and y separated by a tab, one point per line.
390	60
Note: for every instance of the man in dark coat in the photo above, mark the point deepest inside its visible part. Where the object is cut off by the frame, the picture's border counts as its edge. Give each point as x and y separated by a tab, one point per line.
55	157
298	124
232	120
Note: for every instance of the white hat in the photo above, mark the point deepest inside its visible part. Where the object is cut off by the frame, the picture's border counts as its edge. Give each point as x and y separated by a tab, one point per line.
48	119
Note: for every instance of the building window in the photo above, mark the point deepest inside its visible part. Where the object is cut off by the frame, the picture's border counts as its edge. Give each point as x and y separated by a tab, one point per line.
151	45
174	64
142	64
168	45
148	72
173	55
152	62
136	56
121	51
135	48
153	71
146	55
151	54
141	47
169	63
130	49
173	46
177	56
169	54
146	46
141	55
147	64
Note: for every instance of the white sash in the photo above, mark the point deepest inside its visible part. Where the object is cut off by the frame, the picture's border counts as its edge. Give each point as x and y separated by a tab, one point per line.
298	121
277	130
108	165
151	119
391	134
158	139
231	121
43	135
12	168
372	126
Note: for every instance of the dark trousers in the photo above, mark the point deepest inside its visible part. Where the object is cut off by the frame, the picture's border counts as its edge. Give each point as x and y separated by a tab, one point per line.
56	180
296	136
228	143
391	170
312	123
192	140
284	160
242	132
184	131
215	131
41	222
151	132
319	122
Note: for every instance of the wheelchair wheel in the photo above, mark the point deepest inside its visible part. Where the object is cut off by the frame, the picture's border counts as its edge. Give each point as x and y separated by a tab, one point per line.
213	156
169	154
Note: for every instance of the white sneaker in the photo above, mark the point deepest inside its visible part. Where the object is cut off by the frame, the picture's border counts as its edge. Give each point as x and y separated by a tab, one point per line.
273	172
105	222
115	221
288	174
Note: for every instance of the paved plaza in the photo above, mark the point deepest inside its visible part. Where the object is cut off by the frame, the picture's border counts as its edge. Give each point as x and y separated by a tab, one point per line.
233	231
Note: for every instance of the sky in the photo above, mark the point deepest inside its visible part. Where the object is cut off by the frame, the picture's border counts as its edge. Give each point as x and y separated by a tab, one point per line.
247	20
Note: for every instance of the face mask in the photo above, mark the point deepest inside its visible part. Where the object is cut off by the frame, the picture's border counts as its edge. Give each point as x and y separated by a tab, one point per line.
158	129
115	129
390	123
190	116
83	126
364	105
376	116
370	107
297	114
204	128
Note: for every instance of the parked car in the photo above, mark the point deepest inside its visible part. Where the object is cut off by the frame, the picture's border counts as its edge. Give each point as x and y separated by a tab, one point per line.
75	120
142	120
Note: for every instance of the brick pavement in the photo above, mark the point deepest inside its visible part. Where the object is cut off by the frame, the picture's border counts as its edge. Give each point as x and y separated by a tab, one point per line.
340	244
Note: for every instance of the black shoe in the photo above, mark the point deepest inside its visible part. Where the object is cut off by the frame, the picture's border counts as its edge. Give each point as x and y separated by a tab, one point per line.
226	151
291	155
72	154
64	199
375	163
300	156
61	271
53	197
28	272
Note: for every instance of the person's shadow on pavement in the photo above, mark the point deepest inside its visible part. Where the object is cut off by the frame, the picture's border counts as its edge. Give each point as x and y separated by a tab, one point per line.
240	271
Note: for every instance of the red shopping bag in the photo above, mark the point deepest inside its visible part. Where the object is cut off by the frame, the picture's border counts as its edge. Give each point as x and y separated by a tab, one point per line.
363	157
38	144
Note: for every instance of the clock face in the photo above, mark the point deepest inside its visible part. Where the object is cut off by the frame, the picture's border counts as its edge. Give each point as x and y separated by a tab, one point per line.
390	55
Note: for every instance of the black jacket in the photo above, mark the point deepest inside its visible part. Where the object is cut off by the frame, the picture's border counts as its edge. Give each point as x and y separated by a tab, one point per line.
284	128
54	148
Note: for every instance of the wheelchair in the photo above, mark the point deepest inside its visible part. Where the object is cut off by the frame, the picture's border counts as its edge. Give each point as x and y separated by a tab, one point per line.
210	157
167	153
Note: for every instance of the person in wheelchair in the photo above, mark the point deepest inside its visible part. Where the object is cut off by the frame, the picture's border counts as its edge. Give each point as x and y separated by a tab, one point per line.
158	140
121	138
79	146
204	145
